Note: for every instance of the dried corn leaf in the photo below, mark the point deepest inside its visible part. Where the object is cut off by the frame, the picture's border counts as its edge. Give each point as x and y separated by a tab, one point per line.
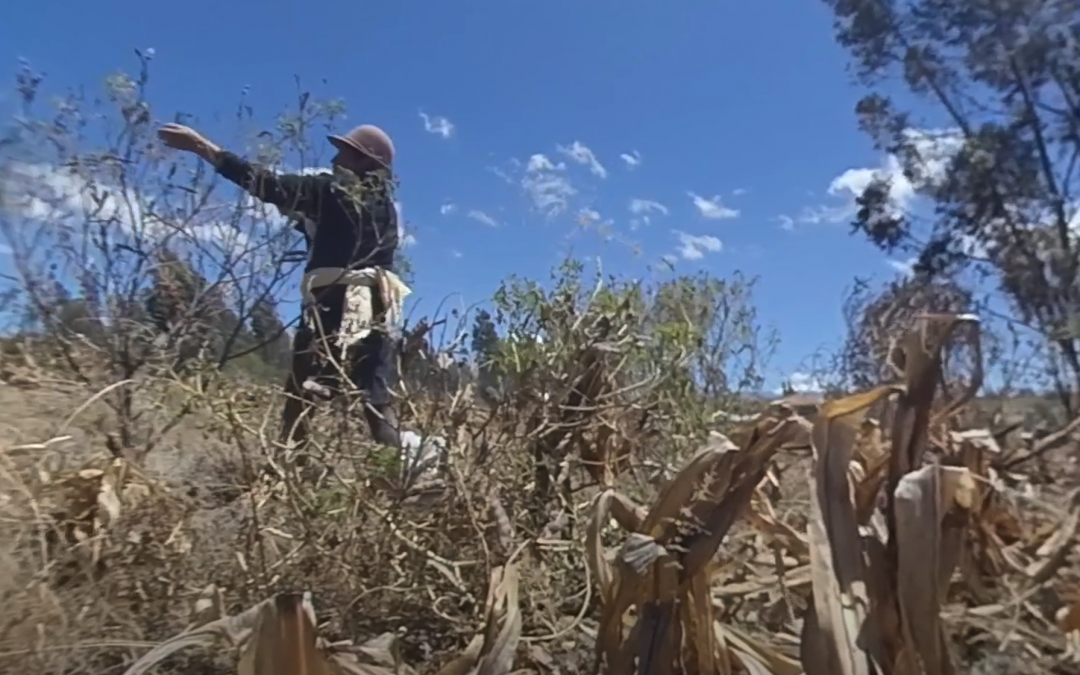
752	651
641	552
837	644
730	493
464	662
1055	550
1068	618
498	653
278	637
677	493
378	656
918	358
982	439
698	627
284	640
608	504
656	643
780	533
664	569
492	652
927	554
209	606
230	632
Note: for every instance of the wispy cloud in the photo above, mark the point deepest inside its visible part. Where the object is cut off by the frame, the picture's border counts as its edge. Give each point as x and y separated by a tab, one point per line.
632	159
694	247
546	184
592	219
580	153
904	267
712	208
438	125
454	253
643	209
482	217
589	216
448	208
646	206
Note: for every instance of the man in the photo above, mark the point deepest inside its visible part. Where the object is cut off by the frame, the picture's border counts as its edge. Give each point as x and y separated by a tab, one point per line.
352	235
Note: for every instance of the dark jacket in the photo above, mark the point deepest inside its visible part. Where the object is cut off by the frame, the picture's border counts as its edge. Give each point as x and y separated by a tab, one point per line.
356	222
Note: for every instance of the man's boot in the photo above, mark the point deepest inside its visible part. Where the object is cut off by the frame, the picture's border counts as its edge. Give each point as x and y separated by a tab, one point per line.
383	424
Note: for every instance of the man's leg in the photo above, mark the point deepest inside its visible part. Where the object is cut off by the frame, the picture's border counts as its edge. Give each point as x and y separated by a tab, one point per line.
370	373
294	417
313	343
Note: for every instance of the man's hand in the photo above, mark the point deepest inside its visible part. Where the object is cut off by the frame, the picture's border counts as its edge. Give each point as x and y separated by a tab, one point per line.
180	137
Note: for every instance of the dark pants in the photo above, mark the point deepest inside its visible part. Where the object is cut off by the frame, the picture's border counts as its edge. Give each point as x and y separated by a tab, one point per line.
316	350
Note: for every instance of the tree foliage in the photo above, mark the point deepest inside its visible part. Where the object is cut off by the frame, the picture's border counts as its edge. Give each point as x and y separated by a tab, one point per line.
697	337
484	345
999	176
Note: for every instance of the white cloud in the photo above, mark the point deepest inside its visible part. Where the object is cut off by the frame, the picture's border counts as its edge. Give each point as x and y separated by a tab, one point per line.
541	162
447	208
786	223
435	124
456	253
404	238
694	247
805	383
712	208
482	217
589	216
738	192
933	151
64	195
580	153
904	267
546	184
631	159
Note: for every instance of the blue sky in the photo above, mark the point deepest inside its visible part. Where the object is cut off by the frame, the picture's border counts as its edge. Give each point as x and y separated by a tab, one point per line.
747	105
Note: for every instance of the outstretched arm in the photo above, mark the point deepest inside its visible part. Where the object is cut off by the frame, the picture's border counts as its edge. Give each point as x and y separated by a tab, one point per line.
293	194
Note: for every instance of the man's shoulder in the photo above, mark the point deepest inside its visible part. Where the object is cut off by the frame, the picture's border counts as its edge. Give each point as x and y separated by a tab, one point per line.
368	191
319	177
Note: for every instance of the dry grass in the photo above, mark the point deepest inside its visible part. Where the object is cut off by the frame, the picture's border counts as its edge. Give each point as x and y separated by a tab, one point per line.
876	538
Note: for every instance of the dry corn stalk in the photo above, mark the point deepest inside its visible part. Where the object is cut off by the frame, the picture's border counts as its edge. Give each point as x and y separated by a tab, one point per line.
877	598
279	637
662	571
